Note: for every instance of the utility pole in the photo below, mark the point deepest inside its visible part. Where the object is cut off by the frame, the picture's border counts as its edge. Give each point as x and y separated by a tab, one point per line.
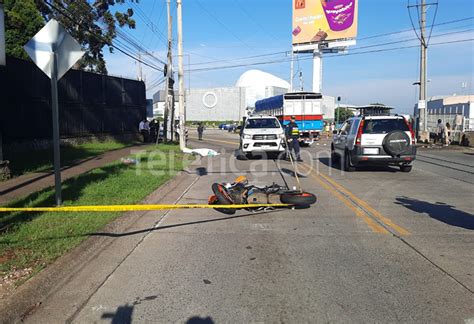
169	74
140	74
424	46
292	70
182	138
301	80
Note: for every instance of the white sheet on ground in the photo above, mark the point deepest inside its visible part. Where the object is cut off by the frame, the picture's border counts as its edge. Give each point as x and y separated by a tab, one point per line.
201	152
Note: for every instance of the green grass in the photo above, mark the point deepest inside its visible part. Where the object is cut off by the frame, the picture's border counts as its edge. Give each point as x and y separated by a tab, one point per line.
21	163
36	239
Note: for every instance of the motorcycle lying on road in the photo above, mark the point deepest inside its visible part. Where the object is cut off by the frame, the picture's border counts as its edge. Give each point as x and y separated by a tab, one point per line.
241	193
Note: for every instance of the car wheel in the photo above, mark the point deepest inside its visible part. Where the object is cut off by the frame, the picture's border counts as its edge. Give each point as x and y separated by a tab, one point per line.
405	168
347	163
335	157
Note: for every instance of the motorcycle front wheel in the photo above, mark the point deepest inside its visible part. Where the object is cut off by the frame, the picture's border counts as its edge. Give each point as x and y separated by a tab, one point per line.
298	198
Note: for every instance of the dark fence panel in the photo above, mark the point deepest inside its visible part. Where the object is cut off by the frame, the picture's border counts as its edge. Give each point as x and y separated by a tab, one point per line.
89	104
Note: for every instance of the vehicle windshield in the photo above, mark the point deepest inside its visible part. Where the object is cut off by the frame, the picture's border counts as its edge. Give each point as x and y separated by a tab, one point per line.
384	126
263	123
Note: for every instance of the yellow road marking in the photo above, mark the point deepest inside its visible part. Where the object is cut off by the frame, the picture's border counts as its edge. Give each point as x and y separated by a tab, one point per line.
123	208
365	205
374	226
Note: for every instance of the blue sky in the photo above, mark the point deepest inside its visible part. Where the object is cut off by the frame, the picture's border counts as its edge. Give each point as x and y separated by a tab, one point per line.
229	30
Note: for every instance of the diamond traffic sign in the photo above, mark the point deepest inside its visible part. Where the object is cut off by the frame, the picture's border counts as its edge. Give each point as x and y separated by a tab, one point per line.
53	38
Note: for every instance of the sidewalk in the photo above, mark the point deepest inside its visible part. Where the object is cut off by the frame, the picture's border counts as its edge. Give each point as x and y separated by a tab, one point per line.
24	185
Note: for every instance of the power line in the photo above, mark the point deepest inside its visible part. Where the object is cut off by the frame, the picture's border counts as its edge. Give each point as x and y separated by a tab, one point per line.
354	49
241	58
255	21
364	38
148	22
99	37
138	46
410	29
411	39
198	2
328	56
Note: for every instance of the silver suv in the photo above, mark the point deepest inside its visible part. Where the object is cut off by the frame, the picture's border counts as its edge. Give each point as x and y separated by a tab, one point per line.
374	140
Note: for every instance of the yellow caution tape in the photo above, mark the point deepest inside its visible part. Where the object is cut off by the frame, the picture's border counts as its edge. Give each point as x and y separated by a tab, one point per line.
123	208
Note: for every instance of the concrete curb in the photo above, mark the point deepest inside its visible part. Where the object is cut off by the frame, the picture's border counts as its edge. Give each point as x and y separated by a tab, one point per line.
27	298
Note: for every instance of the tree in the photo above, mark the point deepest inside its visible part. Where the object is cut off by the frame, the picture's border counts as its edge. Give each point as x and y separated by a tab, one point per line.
343	113
91	23
22	21
89	20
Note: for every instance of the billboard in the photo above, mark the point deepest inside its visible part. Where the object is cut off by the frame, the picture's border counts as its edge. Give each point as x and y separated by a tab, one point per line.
324	20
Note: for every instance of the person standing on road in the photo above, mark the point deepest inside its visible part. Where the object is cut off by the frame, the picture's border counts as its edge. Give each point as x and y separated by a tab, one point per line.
200	130
292	135
144	129
439	132
447	134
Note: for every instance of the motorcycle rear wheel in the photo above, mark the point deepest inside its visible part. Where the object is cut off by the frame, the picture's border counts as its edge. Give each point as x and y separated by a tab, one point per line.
223	197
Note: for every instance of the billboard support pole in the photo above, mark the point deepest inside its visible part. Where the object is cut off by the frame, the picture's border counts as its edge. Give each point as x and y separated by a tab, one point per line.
317	70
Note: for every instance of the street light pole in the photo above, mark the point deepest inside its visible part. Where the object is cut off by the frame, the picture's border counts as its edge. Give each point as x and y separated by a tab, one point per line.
182	143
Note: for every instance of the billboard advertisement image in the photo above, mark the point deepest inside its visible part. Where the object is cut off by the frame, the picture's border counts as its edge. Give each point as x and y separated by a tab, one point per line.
324	20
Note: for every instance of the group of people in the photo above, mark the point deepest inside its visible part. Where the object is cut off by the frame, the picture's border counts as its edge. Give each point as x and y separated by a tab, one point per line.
443	133
329	127
149	130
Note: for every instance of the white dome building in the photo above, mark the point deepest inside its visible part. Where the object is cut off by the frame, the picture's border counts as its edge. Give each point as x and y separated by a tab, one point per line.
259	85
230	103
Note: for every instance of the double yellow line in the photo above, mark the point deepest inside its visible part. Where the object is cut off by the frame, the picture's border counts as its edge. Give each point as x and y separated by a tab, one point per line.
372	217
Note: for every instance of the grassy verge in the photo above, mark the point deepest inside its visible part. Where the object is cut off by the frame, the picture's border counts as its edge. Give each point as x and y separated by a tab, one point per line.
21	163
33	240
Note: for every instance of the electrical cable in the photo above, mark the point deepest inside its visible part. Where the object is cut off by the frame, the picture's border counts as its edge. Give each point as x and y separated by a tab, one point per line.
328	56
101	38
198	2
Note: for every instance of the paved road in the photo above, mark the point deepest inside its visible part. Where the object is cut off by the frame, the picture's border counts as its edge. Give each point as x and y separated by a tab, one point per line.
379	246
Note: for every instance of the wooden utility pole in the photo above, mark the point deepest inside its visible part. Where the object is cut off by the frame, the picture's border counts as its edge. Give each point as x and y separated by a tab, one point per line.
182	138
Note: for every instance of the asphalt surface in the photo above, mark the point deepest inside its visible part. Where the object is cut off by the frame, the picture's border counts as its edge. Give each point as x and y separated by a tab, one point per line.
378	246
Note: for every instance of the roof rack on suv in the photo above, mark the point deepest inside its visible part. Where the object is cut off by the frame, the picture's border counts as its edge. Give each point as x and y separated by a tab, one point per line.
374	110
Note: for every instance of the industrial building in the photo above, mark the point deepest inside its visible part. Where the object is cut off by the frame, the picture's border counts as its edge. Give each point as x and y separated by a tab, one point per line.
231	103
456	110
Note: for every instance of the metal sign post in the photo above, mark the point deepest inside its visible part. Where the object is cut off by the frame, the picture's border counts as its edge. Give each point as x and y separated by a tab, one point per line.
54	51
55	111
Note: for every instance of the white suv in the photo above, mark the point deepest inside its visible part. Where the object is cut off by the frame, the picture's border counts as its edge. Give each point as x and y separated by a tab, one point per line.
374	140
262	134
